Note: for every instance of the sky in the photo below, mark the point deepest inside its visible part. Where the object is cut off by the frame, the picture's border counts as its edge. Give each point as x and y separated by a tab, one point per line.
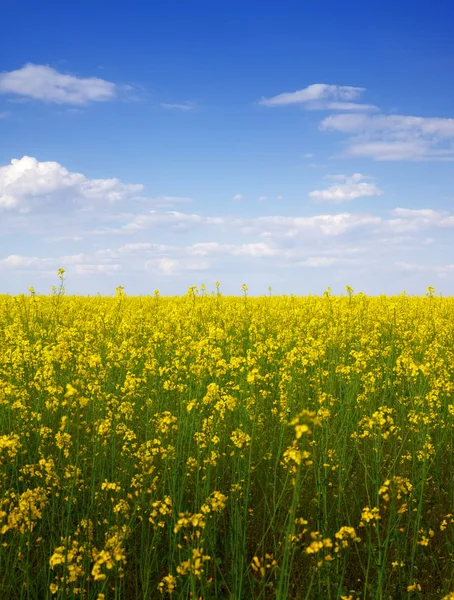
160	145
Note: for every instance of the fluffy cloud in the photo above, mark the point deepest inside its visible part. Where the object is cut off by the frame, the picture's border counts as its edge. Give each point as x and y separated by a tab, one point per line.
26	184
167	266
321	96
42	82
353	187
394	137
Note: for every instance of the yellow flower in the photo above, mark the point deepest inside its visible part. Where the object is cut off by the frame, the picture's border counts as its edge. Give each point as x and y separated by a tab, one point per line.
168	584
240	438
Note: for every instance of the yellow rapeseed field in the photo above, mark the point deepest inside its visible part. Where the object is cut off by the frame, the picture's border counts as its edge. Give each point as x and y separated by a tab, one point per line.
215	447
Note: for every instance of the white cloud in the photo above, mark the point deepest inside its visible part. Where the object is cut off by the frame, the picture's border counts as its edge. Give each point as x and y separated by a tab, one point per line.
262	198
199	265
26	184
279	250
321	96
319	225
275	246
394	137
257	249
42	82
442	271
280	198
237	197
415	150
160	201
278	227
16	261
411	220
177	221
320	261
353	106
254	249
133	249
354	187
172	266
205	248
167	266
96	269
79	264
65	238
100	261
397	125
186	106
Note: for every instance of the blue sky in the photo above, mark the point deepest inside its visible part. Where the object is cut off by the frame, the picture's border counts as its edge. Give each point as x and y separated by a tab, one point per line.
163	145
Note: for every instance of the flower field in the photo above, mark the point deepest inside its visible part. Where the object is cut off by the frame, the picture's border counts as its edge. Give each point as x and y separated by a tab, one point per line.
216	447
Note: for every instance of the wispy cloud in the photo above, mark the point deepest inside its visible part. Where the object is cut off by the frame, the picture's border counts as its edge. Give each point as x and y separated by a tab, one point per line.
413	220
185	106
189	245
441	271
394	137
257	249
320	261
353	187
322	96
161	201
41	82
279	228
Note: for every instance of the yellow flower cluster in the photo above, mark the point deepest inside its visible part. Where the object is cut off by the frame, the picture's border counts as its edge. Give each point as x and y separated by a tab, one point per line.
23	511
9	446
169	445
194	564
261	564
369	515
